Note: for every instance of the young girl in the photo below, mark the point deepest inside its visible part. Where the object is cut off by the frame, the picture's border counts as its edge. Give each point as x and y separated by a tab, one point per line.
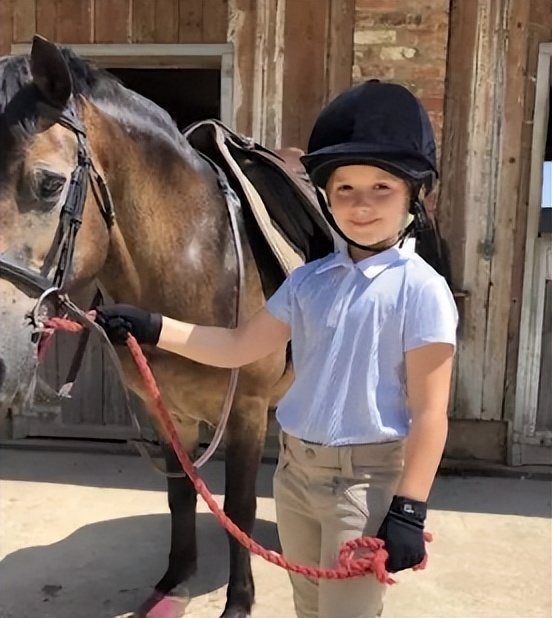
373	331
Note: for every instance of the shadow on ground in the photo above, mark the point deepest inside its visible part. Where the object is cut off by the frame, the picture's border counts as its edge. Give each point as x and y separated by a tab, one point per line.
113	565
500	496
108	471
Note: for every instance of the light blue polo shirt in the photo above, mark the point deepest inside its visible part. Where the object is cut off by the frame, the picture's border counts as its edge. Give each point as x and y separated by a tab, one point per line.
351	325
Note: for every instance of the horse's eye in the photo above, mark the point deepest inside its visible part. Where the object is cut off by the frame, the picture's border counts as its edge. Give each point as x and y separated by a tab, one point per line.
47	185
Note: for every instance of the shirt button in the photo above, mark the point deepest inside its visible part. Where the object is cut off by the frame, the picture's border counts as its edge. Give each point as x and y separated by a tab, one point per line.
310	453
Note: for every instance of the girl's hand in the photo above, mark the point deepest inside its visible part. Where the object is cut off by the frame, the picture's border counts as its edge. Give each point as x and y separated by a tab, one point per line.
402	531
120	320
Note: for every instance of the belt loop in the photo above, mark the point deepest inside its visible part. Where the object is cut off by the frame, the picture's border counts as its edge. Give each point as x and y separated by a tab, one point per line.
282	440
345	455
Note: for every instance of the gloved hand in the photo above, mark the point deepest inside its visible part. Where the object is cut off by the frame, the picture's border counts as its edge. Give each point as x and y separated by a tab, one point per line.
402	531
120	320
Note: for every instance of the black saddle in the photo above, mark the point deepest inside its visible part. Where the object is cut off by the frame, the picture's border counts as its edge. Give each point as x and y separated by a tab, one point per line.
254	173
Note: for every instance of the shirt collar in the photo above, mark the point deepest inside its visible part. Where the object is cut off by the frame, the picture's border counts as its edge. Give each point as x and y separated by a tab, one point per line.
371	266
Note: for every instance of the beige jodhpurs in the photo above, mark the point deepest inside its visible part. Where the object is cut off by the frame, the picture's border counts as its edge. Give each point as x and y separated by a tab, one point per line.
324	497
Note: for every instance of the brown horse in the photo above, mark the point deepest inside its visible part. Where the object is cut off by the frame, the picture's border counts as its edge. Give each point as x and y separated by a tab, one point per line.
153	228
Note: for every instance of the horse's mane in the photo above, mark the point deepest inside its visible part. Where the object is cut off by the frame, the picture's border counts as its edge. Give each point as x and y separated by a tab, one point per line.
90	82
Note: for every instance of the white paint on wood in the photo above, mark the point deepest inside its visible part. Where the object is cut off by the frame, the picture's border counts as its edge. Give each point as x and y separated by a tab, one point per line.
538	261
227	90
97	50
160	55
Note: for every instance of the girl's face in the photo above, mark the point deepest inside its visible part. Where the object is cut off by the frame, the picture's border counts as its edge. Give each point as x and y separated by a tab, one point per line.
368	204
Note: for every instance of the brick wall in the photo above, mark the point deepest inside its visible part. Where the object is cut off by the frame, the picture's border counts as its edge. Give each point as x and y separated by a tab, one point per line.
405	41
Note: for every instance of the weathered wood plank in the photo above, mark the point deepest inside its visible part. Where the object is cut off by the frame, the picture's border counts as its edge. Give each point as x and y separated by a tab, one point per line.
37	428
24	21
166	21
544	406
113	404
509	167
112	21
190	21
241	32
269	71
88	391
215	21
6	26
74	21
304	84
46	18
469	182
340	47
143	22
538	33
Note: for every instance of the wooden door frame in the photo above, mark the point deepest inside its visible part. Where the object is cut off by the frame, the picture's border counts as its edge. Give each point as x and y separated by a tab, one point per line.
164	56
524	439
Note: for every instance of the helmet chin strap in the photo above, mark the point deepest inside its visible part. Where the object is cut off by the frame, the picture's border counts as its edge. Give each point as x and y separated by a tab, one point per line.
419	223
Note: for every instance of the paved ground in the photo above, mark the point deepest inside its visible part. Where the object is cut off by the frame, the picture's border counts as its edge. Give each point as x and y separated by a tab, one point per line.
86	535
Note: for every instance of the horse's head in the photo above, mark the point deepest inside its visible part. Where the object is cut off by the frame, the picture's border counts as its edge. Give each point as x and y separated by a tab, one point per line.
44	200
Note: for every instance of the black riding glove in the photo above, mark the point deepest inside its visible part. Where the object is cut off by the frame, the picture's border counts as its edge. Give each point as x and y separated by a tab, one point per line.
402	531
120	320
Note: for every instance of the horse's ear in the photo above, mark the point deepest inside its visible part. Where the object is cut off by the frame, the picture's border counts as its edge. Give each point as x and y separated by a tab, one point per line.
50	72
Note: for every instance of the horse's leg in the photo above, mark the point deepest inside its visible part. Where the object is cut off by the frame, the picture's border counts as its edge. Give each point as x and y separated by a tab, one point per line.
182	503
244	443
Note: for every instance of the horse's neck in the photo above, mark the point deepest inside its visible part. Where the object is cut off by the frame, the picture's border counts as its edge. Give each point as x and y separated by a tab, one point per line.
168	229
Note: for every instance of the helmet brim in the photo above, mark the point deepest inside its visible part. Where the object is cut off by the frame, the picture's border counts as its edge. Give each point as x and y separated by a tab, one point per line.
405	164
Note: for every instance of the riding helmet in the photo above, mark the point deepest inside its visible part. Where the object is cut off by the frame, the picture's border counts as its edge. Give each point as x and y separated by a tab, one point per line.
375	123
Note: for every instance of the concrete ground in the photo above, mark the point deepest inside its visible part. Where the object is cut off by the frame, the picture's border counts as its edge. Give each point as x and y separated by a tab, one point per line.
86	535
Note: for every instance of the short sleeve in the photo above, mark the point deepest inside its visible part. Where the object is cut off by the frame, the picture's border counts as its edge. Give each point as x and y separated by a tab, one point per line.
279	304
431	317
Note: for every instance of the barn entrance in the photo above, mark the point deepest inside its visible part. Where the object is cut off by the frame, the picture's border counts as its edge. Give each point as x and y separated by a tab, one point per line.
191	82
188	95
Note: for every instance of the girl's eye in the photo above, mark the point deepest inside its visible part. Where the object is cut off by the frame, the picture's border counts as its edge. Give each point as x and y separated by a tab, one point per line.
344	188
381	187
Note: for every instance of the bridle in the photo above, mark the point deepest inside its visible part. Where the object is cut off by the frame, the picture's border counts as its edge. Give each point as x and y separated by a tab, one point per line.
61	254
62	250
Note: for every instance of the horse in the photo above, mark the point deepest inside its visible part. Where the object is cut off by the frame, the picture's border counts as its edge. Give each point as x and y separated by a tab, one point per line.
97	184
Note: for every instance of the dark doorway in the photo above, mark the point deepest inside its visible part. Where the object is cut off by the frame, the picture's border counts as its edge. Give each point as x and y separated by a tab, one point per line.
188	95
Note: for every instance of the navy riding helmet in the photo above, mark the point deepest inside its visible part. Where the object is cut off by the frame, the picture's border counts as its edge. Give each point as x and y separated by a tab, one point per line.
375	123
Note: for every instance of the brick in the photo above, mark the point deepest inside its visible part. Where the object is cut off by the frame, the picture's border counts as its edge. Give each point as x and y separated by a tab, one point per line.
433	105
405	41
398	19
373	70
377	5
373	37
397	53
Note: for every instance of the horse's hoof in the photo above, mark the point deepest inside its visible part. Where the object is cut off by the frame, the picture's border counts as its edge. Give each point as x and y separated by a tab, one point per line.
235	612
163	606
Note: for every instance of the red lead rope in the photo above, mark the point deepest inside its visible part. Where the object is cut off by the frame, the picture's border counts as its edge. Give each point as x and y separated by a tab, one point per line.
371	555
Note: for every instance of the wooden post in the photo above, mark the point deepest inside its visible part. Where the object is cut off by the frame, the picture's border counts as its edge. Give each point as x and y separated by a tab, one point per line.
482	171
268	76
6	26
242	19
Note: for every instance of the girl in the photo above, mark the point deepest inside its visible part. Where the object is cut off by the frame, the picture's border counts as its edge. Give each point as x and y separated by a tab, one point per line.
373	333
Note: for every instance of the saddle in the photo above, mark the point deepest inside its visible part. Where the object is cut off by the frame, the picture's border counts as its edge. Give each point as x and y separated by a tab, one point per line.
282	218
